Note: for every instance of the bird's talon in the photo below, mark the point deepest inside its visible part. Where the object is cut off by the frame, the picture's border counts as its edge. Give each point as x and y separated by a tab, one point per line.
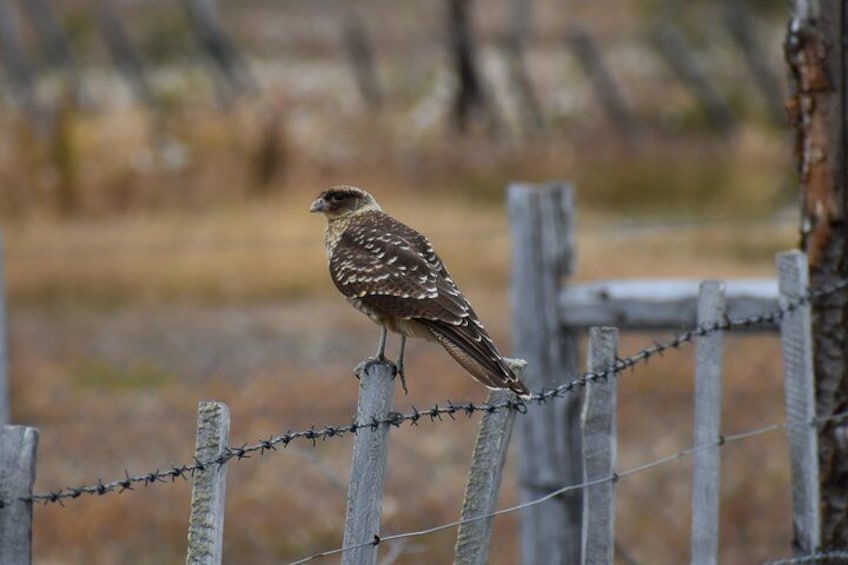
400	373
365	364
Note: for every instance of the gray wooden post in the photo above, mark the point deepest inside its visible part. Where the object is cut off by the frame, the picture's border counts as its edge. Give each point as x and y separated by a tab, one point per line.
18	446
5	416
707	426
484	477
550	450
797	344
370	447
206	524
600	450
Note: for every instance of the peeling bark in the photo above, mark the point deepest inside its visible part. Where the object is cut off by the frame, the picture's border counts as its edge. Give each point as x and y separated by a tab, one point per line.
816	54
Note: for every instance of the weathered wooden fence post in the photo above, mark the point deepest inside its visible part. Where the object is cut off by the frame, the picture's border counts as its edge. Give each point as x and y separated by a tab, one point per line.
206	524
707	426
600	448
484	477
550	450
370	447
18	446
797	343
5	405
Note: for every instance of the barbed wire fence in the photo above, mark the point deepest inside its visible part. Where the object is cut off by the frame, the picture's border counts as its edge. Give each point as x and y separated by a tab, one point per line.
437	413
376	418
451	411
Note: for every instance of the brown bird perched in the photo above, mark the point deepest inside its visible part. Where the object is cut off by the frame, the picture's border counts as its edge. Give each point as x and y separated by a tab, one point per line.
391	273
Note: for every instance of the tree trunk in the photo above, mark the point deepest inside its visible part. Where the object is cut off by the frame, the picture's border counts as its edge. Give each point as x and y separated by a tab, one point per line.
469	98
815	52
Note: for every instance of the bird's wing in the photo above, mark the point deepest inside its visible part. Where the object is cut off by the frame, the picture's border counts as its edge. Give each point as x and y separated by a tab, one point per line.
392	268
383	263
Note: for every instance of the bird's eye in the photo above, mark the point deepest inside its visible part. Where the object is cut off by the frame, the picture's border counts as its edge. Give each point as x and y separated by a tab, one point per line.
337	197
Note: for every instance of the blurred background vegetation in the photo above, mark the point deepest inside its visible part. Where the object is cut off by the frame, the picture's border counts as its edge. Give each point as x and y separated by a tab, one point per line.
157	160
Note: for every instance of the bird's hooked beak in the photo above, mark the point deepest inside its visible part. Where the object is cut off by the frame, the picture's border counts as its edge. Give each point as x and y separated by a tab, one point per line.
318	206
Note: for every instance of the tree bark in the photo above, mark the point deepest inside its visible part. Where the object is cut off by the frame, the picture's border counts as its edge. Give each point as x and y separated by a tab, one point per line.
816	54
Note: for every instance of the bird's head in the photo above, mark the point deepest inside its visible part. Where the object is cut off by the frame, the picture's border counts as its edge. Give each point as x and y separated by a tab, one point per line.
341	201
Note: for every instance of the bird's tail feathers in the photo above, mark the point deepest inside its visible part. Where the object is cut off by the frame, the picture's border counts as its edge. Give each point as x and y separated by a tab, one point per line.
484	364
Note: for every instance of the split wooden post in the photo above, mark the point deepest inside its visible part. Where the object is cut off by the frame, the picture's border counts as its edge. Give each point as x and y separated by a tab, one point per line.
600	449
707	426
797	344
18	446
550	450
5	416
206	524
484	477
370	447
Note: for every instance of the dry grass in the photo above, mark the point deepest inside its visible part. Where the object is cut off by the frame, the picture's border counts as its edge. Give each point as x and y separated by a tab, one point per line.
145	276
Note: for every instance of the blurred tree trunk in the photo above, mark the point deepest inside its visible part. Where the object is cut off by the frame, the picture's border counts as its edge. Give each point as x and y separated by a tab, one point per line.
740	22
56	46
64	158
469	98
360	54
19	71
520	21
604	86
675	50
816	53
230	71
123	53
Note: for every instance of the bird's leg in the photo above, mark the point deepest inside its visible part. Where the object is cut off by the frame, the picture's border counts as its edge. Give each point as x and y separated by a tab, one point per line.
380	357
400	372
381	348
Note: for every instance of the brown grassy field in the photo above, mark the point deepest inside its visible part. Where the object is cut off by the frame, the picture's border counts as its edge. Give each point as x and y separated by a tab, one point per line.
178	277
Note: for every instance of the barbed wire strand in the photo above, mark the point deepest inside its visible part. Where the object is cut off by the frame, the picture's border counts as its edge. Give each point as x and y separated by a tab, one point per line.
720	442
396	419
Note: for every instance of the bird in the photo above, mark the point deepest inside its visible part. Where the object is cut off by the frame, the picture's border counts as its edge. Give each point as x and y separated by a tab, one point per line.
393	275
